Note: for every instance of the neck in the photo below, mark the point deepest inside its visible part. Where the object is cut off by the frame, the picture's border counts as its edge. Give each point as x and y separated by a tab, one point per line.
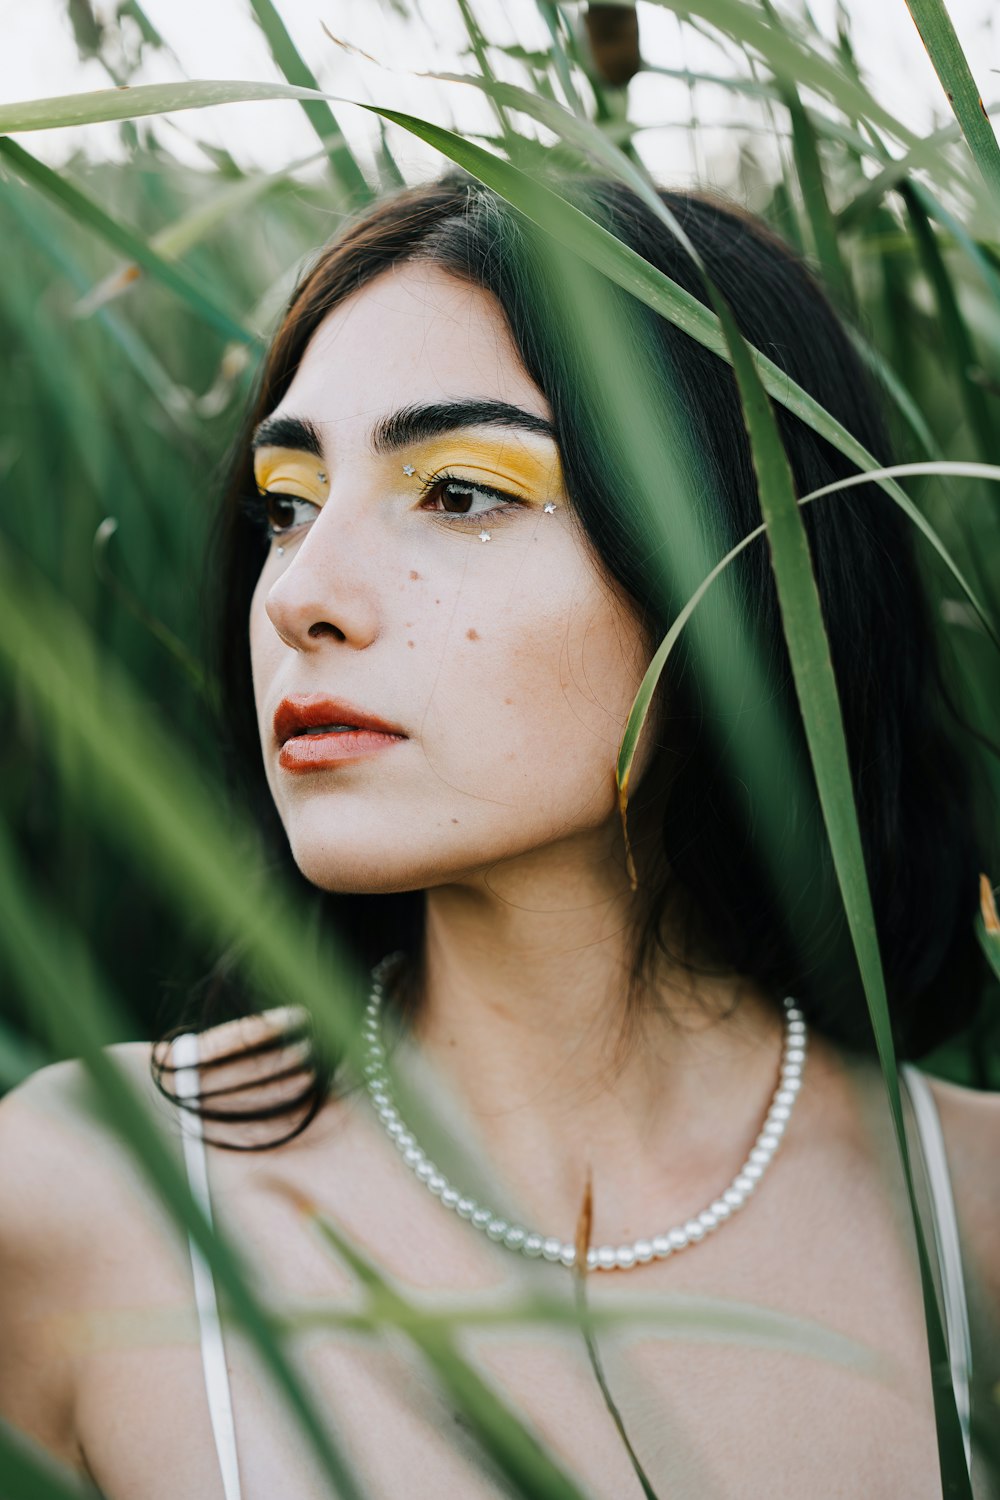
522	1019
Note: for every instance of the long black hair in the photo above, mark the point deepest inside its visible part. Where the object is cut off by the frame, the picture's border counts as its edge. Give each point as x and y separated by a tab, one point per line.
920	794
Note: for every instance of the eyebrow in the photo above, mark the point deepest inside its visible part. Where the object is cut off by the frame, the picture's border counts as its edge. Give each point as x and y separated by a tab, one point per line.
409	425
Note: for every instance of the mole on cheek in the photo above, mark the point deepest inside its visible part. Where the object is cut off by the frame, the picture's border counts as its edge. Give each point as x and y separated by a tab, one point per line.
409	643
472	634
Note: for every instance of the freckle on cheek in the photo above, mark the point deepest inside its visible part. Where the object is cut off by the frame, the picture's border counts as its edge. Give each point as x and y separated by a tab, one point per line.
454	820
414	573
409	643
472	634
508	700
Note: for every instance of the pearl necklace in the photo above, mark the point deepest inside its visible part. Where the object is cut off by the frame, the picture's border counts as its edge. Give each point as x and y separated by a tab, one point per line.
528	1242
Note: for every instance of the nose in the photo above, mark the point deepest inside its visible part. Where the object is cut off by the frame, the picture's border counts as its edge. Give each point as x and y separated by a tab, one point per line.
330	584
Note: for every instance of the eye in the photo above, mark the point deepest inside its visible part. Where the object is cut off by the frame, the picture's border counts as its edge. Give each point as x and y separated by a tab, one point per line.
460	493
272	512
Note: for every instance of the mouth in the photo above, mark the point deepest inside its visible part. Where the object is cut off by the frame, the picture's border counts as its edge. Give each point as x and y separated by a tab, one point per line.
312	732
316	716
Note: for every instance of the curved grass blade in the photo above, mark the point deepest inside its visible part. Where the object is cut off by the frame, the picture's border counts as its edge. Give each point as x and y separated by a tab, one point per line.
581	234
86	211
938	35
819	704
97	105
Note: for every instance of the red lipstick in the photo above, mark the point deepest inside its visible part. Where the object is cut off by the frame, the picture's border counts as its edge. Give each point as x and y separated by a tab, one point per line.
314	732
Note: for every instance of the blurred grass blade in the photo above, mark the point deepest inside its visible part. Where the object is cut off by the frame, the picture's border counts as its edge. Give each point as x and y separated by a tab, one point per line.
988	924
97	105
55	974
938	35
178	238
822	222
318	111
588	239
27	1472
86	211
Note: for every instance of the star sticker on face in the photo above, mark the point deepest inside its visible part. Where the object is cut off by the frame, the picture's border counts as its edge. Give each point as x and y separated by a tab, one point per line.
484	536
408	469
549	506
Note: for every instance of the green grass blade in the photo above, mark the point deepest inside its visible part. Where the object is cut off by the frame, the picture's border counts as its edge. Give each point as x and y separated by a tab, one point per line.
938	35
27	1472
96	105
318	111
87	212
56	978
581	234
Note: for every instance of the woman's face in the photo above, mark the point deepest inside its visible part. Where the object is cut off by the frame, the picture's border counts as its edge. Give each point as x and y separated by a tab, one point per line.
509	664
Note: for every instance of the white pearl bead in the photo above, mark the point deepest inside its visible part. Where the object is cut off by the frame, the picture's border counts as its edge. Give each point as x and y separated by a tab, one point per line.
606	1257
644	1251
591	1259
780	1112
413	1156
721	1209
708	1220
662	1246
405	1140
744	1184
425	1170
568	1255
437	1183
532	1245
761	1155
790	1073
694	1230
497	1228
625	1257
395	1129
552	1248
678	1239
753	1170
481	1217
465	1207
734	1197
795	1055
769	1141
449	1197
773	1126
515	1237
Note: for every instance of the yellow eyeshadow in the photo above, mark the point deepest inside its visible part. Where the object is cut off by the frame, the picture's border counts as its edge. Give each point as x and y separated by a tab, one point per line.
538	474
292	472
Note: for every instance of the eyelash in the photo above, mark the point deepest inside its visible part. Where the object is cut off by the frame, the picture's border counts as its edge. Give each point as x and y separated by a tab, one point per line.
256	507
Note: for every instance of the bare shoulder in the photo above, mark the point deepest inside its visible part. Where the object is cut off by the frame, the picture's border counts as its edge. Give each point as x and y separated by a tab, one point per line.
970	1124
77	1213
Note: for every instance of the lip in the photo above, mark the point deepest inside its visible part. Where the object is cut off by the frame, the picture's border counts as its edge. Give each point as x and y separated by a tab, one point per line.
312	709
301	752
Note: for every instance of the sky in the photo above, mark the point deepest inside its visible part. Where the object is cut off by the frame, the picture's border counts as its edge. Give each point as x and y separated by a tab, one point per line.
221	39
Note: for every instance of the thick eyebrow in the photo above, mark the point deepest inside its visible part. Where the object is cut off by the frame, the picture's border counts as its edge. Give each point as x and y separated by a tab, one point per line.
409	425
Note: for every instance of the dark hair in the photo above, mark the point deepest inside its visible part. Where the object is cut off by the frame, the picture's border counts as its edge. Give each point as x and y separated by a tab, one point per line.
917	795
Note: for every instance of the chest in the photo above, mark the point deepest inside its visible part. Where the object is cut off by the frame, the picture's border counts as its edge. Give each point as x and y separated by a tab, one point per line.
784	1355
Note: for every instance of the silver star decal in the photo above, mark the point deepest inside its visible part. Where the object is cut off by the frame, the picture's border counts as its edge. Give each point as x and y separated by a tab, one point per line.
408	469
549	506
484	536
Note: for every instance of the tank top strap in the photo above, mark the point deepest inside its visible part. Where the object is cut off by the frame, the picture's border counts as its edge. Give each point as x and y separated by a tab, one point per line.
220	1404
946	1242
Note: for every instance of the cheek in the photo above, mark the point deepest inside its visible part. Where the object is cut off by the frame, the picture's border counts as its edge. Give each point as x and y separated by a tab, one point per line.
534	695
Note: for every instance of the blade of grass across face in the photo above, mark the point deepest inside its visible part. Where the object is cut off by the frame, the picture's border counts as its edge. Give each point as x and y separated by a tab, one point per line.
87	212
938	35
560	219
816	690
581	234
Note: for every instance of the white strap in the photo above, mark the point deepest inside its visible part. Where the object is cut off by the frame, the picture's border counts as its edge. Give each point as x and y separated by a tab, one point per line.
220	1404
949	1252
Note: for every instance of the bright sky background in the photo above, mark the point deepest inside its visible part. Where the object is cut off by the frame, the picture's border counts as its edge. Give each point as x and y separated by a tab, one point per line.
221	39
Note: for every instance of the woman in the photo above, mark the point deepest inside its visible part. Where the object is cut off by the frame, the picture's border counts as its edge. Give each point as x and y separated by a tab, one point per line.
439	595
